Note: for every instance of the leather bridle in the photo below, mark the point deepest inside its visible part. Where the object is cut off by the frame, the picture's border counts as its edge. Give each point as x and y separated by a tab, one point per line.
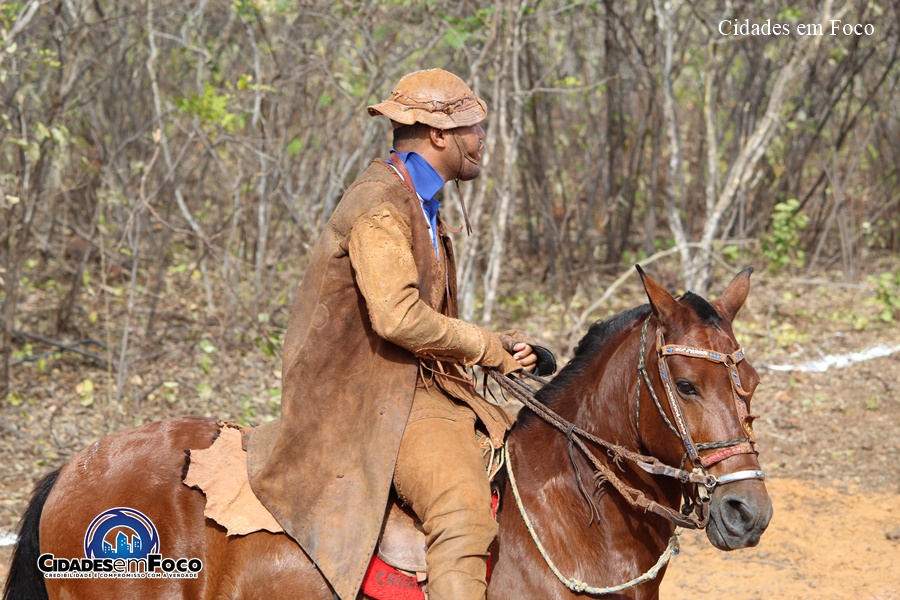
726	448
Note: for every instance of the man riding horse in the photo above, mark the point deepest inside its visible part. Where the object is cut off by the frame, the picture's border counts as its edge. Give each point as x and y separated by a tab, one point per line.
375	392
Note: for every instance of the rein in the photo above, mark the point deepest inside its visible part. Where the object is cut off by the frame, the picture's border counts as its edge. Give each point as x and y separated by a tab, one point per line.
635	497
704	481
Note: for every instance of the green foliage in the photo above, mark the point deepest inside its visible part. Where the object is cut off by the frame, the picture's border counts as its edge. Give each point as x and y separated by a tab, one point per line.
790	14
631	258
295	146
9	13
781	245
248	410
731	252
270	343
664	243
211	108
247	415
786	336
42	138
253	10
27	350
15	399
205	359
204	390
50	58
887	295
170	391
521	304
461	30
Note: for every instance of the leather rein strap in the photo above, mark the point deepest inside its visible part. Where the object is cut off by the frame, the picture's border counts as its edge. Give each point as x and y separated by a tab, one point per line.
635	497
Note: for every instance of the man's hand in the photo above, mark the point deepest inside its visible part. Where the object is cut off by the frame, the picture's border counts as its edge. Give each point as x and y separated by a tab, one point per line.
532	357
516	342
525	356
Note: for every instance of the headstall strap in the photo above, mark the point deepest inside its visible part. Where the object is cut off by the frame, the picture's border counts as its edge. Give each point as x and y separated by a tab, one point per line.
698	476
635	497
730	361
677	413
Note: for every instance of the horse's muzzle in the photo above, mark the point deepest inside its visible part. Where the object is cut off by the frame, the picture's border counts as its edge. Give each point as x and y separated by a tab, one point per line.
738	515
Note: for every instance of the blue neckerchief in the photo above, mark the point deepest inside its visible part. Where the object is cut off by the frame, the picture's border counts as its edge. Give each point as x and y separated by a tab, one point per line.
427	182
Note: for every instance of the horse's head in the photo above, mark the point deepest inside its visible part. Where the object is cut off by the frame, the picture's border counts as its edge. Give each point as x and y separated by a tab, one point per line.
703	386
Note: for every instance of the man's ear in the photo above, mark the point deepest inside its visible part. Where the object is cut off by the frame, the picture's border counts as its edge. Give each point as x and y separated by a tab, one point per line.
438	137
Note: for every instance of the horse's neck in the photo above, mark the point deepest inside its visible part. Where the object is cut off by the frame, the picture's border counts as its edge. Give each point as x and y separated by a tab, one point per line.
624	538
602	402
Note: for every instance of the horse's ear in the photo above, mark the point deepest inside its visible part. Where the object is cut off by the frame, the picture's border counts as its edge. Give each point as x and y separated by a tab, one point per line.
664	306
732	299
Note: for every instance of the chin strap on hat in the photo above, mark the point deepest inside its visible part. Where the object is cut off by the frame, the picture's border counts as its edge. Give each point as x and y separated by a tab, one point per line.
463	153
462	205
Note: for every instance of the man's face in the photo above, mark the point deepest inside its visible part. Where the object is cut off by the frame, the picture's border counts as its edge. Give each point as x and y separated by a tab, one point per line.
471	144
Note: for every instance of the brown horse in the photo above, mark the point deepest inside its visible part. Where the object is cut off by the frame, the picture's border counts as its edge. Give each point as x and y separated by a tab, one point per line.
655	404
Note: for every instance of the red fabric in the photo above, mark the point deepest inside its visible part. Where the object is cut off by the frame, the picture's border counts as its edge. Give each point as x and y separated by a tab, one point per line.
384	582
495	506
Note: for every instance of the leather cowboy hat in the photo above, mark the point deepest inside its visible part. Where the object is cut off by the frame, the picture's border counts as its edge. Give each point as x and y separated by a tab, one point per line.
434	97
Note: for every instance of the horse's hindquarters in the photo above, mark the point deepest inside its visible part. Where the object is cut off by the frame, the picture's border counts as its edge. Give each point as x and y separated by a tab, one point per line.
138	469
135	476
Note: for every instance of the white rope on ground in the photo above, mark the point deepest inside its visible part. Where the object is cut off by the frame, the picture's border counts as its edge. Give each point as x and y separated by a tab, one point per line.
838	361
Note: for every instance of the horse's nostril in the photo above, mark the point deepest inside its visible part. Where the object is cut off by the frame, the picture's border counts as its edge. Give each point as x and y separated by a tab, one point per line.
737	515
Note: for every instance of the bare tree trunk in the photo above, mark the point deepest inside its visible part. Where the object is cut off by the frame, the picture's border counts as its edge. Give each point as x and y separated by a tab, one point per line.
709	112
743	168
475	199
674	185
510	133
262	206
650	217
164	142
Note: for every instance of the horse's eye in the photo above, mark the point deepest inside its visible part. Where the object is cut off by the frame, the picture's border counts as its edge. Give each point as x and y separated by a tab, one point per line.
686	388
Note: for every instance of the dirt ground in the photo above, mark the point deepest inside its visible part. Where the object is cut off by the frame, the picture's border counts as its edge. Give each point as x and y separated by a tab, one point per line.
821	543
829	440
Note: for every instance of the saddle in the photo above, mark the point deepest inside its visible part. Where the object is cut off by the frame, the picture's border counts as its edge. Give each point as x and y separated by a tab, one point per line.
220	472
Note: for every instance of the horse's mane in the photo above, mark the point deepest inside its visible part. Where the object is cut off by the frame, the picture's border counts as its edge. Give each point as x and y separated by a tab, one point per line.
598	335
601	332
704	310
